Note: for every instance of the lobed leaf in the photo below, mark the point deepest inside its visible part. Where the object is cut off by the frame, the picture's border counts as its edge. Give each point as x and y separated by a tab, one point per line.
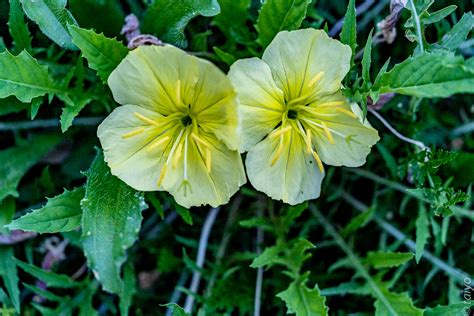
401	303
381	259
458	34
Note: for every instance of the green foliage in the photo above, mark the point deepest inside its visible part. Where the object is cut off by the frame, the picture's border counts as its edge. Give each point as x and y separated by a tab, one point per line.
18	27
279	15
177	310
401	303
422	232
232	18
458	34
103	54
168	19
9	275
60	214
110	223
52	18
50	278
349	30
380	259
129	289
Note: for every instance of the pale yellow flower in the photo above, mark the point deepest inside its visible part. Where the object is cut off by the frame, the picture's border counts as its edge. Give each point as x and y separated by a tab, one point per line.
294	117
176	128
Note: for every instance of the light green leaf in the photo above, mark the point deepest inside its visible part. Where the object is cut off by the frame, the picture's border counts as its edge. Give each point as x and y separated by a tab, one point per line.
50	278
16	161
167	19
429	75
177	310
459	32
381	259
357	222
349	28
439	15
226	57
401	303
110	223
72	109
18	27
103	54
367	59
9	274
451	309
269	256
302	301
23	77
422	231
61	213
128	290
279	15
52	18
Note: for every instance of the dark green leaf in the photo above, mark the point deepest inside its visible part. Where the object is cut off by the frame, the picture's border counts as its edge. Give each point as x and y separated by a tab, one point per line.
7	210
380	259
61	213
167	19
279	15
349	28
18	27
110	223
9	274
50	278
103	16
177	310
128	290
459	32
422	231
367	59
357	222
232	18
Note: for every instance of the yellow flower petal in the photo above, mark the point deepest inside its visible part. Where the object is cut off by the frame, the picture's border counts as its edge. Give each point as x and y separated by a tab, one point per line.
261	102
293	178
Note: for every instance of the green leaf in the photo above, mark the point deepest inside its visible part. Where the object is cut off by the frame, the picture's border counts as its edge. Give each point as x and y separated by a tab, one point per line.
50	278
102	53
302	301
18	27
167	19
7	211
367	59
23	77
45	294
269	256
458	34
128	290
380	259
72	109
16	161
226	57
357	222
349	28
61	213
439	15
11	104
422	231
279	15
184	213
451	309
232	18
9	274
177	310
52	18
428	75
110	223
401	303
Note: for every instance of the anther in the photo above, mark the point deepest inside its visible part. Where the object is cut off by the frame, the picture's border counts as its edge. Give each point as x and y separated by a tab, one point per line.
177	155
318	161
316	79
157	143
134	133
308	141
280	131
208	160
162	175
328	133
145	119
330	104
345	111
278	152
178	92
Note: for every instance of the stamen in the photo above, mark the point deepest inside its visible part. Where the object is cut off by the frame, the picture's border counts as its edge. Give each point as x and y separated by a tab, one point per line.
208	160
200	140
134	133
145	119
278	152
316	78
328	133
320	126
318	161
297	100
185	172
308	141
280	131
173	148
345	111
330	104
157	143
178	92
162	175
177	155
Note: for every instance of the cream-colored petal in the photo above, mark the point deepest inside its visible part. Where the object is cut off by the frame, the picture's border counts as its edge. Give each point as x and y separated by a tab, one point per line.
261	102
131	146
307	61
294	177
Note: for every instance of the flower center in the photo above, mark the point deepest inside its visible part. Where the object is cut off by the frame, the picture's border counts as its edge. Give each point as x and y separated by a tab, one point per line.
186	120
292	114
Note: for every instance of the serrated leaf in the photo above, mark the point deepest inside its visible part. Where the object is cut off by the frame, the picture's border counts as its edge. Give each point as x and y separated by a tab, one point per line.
269	256
18	27
357	222
429	75
110	223
422	232
302	301
459	32
9	274
71	110
61	213
52	18
167	19
451	309
439	15
23	77
349	28
279	15
102	53
50	278
16	161
381	259
401	303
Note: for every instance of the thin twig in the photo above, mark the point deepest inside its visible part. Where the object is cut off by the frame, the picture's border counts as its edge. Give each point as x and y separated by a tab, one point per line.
48	123
359	10
361	207
417	143
417	24
259	282
203	240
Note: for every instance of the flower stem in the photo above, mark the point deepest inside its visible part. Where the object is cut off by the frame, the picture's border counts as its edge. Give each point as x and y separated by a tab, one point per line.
417	24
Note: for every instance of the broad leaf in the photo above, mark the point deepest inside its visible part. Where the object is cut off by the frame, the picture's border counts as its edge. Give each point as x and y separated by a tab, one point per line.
18	27
279	15
16	161
401	303
429	75
9	274
103	54
50	278
52	18
302	301
349	28
380	259
110	223
23	77
459	32
61	213
422	231
167	19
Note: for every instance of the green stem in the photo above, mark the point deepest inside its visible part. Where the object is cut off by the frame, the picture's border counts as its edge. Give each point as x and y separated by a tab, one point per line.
353	259
417	24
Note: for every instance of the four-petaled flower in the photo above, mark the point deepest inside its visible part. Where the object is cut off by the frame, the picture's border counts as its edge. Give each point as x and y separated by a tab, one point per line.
294	117
176	129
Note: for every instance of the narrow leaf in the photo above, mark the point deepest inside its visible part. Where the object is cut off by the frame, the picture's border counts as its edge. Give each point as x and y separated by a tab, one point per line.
128	290
268	256
357	222
61	213
367	59
279	15
349	28
302	301
110	223
439	15
102	53
9	274
52	18
18	27
380	259
459	32
422	231
50	278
